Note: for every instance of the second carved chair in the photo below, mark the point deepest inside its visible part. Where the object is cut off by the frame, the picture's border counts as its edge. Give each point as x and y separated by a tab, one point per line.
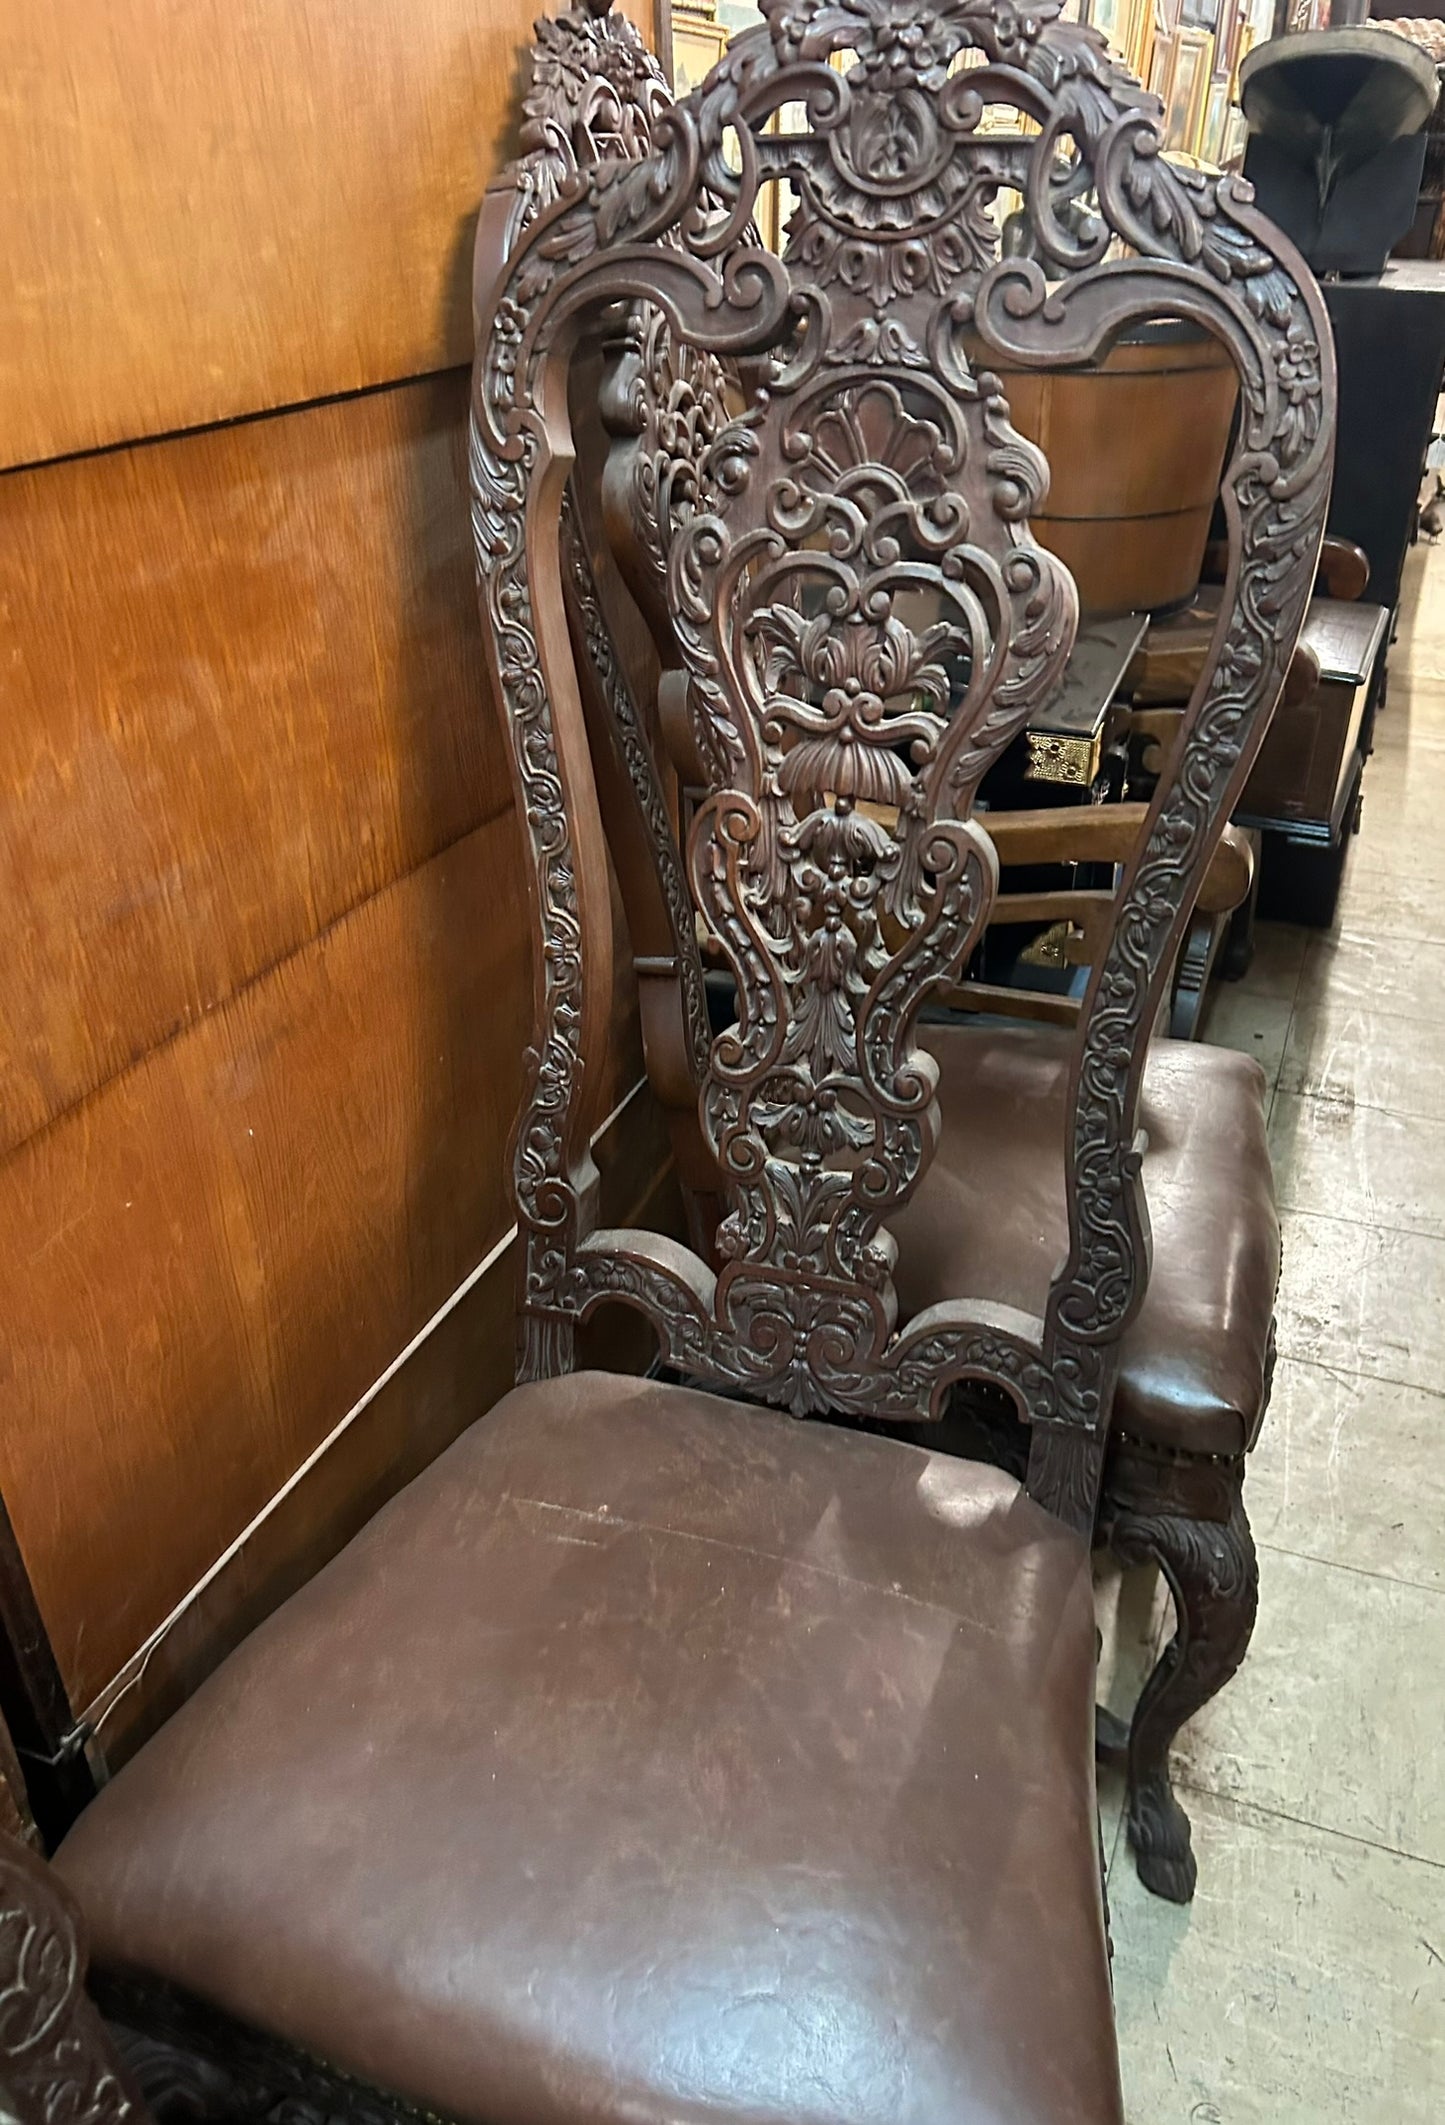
1002	1204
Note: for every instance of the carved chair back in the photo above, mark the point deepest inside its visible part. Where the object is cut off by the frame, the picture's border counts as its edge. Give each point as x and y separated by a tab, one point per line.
828	511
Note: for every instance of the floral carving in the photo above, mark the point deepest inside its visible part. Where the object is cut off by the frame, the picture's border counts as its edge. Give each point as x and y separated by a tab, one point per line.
594	96
55	2060
834	509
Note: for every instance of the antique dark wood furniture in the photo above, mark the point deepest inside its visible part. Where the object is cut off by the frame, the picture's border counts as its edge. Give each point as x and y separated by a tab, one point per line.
16	1819
57	2060
1069	735
1090	746
1303	796
1222	930
1389	335
652	1755
1195	1346
1305	793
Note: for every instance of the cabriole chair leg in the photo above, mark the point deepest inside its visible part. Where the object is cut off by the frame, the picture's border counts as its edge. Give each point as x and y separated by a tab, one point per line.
1213	1576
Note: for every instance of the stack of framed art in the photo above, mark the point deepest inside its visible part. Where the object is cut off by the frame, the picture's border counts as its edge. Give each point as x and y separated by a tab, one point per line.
1188	52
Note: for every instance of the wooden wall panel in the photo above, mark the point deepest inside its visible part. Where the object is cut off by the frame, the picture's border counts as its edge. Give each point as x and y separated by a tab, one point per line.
210	1260
244	690
263	1016
462	1367
226	205
235	204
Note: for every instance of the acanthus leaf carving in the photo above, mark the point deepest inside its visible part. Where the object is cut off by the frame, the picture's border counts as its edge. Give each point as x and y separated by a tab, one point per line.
837	515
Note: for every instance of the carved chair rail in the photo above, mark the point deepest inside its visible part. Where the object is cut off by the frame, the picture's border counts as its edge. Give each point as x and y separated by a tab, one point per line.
838	562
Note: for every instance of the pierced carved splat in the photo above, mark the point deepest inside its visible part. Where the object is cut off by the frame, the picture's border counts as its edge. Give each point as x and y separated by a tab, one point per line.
831	501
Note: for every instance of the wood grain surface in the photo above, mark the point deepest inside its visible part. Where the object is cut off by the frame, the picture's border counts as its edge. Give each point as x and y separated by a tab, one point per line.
264	1016
211	1258
244	690
236	204
455	1375
221	206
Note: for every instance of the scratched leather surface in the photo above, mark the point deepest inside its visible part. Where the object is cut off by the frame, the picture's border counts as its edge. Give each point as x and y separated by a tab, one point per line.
651	1759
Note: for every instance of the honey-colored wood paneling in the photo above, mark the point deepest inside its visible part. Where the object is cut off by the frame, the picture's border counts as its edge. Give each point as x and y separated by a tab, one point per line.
215	207
233	204
208	1261
263	1015
244	689
463	1366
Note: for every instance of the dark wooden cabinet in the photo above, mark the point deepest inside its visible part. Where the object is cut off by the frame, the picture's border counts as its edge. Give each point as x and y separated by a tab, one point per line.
1310	763
1390	352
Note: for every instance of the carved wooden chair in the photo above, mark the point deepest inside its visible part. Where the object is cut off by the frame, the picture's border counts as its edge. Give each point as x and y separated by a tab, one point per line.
653	1756
1056	1146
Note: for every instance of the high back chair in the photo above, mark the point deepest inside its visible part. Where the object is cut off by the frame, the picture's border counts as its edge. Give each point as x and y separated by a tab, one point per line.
654	1756
861	390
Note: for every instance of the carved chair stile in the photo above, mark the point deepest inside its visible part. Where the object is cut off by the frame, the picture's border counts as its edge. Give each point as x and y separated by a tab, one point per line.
805	455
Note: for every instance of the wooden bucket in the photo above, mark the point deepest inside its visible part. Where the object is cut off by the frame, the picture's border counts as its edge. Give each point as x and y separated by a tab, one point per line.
1136	446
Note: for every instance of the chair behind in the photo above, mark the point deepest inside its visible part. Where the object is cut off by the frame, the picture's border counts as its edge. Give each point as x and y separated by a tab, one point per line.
855	619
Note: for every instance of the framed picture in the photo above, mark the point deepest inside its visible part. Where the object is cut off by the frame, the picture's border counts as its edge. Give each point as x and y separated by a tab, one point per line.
1108	16
1226	40
1188	90
1216	115
1161	65
698	42
1139	38
1128	26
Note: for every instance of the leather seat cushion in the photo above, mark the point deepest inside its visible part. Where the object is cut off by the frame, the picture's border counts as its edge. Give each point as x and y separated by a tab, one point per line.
650	1758
989	1221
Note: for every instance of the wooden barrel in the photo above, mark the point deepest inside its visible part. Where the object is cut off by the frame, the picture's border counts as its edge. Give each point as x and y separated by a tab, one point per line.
1136	447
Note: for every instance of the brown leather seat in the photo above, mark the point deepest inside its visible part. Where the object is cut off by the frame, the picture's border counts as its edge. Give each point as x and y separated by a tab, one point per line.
650	1758
988	1220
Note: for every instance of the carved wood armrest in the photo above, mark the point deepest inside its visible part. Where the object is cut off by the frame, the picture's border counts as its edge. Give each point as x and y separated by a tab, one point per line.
1344	570
1230	874
1085	833
56	2055
1107	833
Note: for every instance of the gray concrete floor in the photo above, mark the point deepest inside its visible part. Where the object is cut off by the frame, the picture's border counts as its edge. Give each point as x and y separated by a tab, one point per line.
1307	1980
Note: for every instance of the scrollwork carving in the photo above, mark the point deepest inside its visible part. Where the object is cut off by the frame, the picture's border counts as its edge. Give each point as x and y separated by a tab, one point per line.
195	2066
836	505
57	2066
